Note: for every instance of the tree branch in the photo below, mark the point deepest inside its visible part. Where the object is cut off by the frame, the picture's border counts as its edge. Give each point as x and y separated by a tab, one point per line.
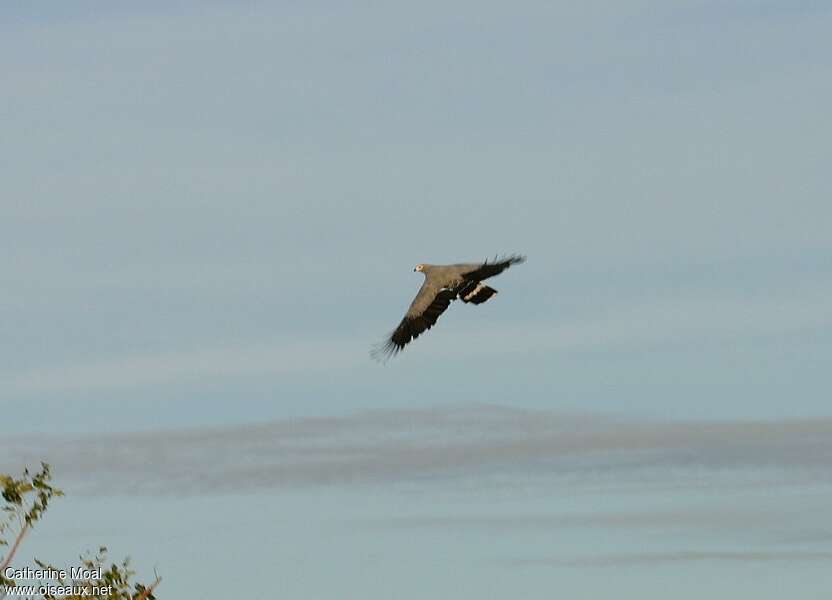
17	541
149	590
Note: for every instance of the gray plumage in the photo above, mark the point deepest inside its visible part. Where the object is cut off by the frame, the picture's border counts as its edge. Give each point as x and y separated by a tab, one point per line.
443	284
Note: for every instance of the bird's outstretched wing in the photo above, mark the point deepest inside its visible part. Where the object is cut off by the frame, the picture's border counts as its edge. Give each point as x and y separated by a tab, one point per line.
423	314
490	269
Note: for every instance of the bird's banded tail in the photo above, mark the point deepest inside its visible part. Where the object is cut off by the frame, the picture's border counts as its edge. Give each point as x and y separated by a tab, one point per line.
476	292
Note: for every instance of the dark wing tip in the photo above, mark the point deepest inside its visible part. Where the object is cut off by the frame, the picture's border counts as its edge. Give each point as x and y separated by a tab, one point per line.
384	351
395	342
508	260
490	268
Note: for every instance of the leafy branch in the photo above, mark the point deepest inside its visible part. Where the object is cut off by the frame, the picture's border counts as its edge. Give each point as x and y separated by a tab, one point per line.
25	502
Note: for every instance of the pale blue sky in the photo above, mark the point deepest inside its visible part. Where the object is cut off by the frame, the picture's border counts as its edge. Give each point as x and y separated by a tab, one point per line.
210	211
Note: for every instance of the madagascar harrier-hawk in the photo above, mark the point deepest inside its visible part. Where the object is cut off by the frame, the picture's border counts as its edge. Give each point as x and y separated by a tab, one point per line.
443	283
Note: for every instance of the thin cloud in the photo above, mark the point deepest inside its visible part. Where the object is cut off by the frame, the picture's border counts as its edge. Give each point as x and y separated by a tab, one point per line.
188	366
488	444
709	319
685	556
696	517
705	319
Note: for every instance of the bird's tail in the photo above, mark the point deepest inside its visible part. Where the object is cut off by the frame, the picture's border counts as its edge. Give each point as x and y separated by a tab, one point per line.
476	292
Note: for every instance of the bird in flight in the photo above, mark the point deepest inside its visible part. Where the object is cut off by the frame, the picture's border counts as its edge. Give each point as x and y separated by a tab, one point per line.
443	283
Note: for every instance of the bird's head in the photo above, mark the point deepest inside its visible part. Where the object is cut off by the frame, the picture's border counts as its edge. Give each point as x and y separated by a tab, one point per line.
419	268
